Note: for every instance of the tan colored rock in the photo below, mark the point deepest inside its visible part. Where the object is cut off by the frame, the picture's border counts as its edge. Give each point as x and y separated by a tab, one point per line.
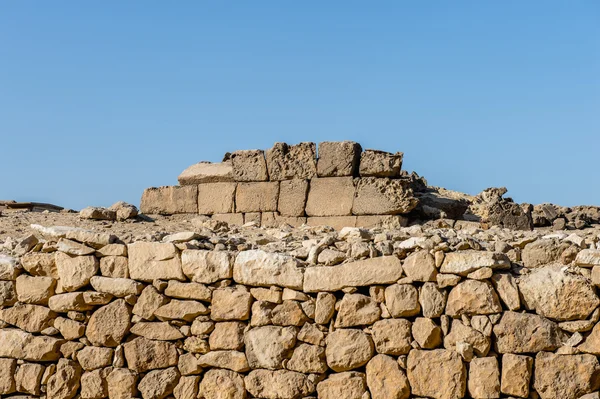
8	268
257	197
461	333
465	262
357	310
206	172
159	384
40	264
292	197
472	297
222	384
121	384
266	347
8	294
565	376
93	385
118	287
526	333
19	344
427	334
264	269
272	294
148	302
150	261
114	266
541	252
507	289
75	272
348	385
288	313
216	198
228	335
207	267
377	196
330	196
556	293
516	375
109	324
28	377
348	349
402	300
286	162
97	213
380	163
280	384
94	357
588	258
335	222
450	374
231	360
157	331
308	359
195	291
392	336
381	270
69	329
592	342
325	307
432	300
420	266
249	165
30	318
181	310
484	378
34	290
65	382
7	376
338	159
385	379
124	210
170	200
143	354
112	250
231	303
187	387
73	248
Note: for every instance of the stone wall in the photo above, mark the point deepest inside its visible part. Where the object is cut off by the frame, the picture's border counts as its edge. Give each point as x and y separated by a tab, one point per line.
298	313
343	186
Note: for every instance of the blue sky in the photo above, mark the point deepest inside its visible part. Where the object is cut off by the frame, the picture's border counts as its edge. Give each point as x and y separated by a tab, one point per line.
99	100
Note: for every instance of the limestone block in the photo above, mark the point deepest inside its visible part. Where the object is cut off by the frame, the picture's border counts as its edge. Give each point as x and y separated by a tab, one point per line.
216	198
348	349
484	378
268	346
161	331
8	295
330	196
170	200
249	165
109	324
207	267
380	163
472	297
292	197
385	379
231	360
336	222
75	272
308	359
34	290
286	162
338	158
206	172
264	269
378	196
465	262
94	357
385	221
143	354
149	261
278	384
231	303
7	376
257	197
392	336
357	310
122	384
516	375
222	384
28	378
348	385
402	300
229	218
450	374
527	333
159	383
565	376
30	318
66	381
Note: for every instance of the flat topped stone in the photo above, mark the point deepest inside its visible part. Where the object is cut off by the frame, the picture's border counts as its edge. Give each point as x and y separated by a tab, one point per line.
465	262
338	158
381	270
206	172
249	165
264	269
285	162
149	261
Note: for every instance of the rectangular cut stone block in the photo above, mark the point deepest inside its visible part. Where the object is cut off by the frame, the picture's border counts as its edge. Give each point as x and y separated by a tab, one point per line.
272	219
337	222
292	197
516	375
375	196
387	221
257	197
380	163
206	172
285	162
330	196
338	158
484	378
216	198
170	200
381	270
264	269
230	218
249	165
149	261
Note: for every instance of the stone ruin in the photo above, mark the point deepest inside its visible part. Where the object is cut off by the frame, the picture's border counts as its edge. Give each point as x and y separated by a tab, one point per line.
477	302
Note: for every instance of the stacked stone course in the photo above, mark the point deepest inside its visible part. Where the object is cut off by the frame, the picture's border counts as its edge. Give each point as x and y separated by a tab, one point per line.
344	186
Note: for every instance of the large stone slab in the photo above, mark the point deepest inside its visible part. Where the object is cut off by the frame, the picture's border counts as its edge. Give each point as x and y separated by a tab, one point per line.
249	165
292	197
216	198
338	158
19	344
381	270
565	376
150	261
280	384
202	266
330	196
377	196
527	333
380	163
206	172
450	374
170	200
257	197
286	162
465	262
264	269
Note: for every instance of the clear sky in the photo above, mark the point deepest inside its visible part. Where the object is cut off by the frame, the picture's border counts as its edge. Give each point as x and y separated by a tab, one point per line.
99	100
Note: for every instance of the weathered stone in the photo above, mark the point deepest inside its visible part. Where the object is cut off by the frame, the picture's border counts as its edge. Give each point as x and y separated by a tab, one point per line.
461	333
207	267
231	303
187	387
432	300
124	210
8	268
75	272
266	347
465	262
348	385
7	376
427	334
28	377
450	374
159	384
121	384
541	252
509	215
289	313
507	289
484	378
228	335
114	266
170	200
231	360
157	331
19	344
357	310
94	357
348	349
402	300
216	198
109	324
325	307
34	290
143	354
72	301
195	291
30	318
150	261
8	294
222	384
338	158
380	163
249	165
472	297
308	359
516	375
118	287
40	264
292	197
376	196
381	270
257	197
385	379
526	333
592	342
73	248
565	376
93	385
286	162
97	213
264	269
181	310
280	384
65	382
420	266
206	172
556	293
330	196
148	302
588	258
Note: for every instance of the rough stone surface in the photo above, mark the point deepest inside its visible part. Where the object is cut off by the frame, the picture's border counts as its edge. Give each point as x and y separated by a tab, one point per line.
330	196
516	375
565	376
348	349
292	197
264	269
527	333
376	196
149	261
380	163
385	379
170	200
216	198
337	159
286	162
472	297
450	374
257	197
249	165
206	172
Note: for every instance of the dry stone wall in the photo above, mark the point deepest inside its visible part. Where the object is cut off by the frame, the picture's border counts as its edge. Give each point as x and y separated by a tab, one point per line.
344	186
230	313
